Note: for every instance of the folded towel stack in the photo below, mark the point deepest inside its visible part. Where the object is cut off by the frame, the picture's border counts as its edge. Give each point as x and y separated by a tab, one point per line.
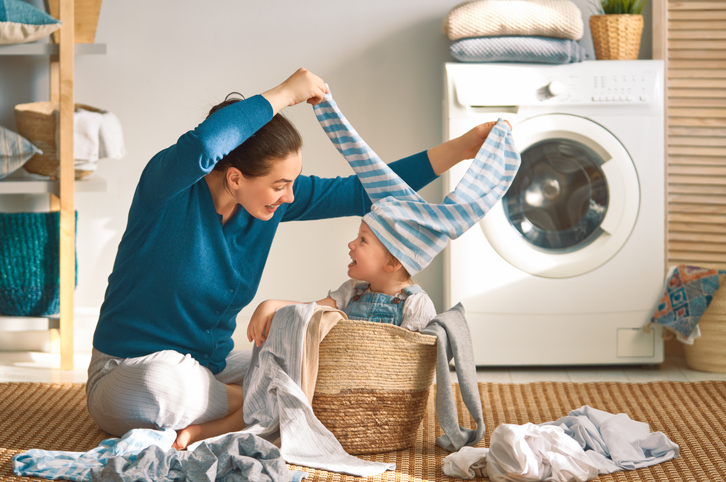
530	31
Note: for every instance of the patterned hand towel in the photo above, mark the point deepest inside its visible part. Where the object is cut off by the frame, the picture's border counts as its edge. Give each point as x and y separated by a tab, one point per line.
687	293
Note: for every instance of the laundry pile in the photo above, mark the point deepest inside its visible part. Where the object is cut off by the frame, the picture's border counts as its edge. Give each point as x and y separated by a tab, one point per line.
529	31
574	448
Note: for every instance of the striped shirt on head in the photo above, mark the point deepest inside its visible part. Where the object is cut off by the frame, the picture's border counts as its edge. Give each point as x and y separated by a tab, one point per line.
413	230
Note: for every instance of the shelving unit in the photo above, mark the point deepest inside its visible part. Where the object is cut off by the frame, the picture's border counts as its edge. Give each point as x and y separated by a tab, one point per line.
61	191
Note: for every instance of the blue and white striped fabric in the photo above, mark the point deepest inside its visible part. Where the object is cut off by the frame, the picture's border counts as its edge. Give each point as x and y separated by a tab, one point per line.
52	464
413	230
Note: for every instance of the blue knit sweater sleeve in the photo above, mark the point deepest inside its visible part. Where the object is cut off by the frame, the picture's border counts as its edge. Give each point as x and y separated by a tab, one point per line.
197	151
321	198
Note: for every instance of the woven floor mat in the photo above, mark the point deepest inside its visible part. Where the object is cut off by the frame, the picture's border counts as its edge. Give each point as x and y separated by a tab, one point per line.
693	415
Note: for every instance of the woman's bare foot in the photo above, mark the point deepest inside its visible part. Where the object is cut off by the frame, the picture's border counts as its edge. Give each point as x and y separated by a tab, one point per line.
232	422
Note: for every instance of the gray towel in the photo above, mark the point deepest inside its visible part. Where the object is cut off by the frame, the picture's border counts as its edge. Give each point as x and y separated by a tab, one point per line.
540	50
454	341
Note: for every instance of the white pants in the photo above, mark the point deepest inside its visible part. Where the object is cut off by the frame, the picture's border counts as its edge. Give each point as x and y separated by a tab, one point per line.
162	390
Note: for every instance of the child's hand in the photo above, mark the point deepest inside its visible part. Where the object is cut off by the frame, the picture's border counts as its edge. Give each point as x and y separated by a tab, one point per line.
259	327
473	140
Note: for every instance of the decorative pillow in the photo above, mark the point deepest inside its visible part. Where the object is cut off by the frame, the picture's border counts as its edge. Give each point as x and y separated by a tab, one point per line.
14	151
22	22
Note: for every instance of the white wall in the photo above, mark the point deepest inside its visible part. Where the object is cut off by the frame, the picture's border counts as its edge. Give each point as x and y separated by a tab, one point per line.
169	61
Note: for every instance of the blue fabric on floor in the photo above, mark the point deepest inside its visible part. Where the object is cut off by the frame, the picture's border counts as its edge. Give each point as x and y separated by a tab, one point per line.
146	454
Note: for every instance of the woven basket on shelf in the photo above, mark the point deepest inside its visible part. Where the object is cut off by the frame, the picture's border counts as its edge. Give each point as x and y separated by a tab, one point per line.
373	385
616	37
38	122
708	353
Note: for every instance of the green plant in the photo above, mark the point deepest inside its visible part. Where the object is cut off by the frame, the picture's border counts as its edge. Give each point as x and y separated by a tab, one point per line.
608	7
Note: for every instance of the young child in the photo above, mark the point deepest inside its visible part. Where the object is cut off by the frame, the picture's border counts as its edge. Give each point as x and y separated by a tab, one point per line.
402	233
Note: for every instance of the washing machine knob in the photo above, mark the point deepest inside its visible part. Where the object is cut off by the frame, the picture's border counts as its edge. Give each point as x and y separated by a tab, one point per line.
555	88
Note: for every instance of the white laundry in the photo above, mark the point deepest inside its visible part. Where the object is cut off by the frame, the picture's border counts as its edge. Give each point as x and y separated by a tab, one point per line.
615	442
86	127
467	463
96	135
574	448
529	453
111	138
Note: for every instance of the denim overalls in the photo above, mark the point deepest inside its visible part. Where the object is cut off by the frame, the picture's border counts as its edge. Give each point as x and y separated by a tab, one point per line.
378	307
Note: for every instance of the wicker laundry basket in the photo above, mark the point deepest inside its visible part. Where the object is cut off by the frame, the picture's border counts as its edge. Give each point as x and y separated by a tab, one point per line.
708	353
616	37
373	385
38	122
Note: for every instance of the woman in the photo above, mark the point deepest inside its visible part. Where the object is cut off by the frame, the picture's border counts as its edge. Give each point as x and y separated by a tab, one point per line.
199	231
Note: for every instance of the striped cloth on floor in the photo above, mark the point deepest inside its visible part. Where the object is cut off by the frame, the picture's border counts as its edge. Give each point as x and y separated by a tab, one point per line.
413	230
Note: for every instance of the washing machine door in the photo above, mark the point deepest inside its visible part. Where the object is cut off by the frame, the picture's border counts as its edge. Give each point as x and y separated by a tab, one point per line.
573	203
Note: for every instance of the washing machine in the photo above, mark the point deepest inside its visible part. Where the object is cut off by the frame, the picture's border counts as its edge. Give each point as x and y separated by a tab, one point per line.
567	268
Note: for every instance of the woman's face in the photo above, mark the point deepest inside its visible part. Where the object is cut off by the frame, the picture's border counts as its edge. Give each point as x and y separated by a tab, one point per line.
368	256
261	196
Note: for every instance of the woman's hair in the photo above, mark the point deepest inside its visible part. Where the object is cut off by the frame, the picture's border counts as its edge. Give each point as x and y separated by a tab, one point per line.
275	140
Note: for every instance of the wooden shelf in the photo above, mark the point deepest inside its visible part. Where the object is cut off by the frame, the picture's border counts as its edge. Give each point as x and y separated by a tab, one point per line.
50	49
61	192
21	182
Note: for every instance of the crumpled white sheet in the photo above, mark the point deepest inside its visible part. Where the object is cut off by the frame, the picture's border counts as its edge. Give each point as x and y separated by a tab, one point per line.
575	448
467	463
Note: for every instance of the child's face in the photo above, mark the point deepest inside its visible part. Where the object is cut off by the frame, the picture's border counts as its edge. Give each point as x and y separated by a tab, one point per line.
369	256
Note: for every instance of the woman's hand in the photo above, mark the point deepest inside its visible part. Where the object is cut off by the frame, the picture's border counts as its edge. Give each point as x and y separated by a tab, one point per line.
302	86
444	156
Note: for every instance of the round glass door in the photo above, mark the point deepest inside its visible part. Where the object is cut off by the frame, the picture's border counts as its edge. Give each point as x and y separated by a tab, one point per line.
573	203
559	196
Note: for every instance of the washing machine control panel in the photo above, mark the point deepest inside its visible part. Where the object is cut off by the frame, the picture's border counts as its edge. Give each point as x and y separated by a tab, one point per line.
622	88
606	88
585	84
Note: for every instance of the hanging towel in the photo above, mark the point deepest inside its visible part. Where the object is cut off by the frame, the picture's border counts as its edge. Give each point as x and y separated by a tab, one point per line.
494	18
541	50
687	293
453	340
413	230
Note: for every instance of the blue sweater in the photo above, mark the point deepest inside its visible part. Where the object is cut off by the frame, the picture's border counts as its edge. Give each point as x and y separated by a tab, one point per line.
181	277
